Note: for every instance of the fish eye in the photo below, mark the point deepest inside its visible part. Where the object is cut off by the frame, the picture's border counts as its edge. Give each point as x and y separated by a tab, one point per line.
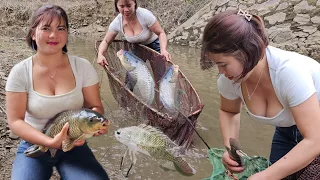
118	132
90	119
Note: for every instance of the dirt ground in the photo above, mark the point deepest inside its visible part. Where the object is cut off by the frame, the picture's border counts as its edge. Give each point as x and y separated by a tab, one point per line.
87	18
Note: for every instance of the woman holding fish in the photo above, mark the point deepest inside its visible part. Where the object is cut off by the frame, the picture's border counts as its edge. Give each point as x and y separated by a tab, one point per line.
45	84
138	25
277	87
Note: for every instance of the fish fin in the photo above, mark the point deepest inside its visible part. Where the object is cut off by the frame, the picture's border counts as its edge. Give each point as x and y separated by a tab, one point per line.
67	144
157	132
183	167
35	151
168	166
53	152
177	151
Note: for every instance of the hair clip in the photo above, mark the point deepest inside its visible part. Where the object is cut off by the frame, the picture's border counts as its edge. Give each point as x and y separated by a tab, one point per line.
245	14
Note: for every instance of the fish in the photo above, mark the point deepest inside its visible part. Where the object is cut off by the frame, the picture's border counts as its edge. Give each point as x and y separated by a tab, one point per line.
83	124
152	142
235	150
139	73
168	89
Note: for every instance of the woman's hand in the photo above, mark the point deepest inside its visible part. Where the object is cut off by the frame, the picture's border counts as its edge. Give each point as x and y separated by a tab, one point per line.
102	60
63	135
230	164
166	54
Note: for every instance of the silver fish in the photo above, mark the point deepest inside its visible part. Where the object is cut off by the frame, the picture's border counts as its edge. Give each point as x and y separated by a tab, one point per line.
168	91
139	73
152	142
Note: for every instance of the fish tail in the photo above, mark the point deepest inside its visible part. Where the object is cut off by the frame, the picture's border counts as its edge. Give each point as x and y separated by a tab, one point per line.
183	167
35	151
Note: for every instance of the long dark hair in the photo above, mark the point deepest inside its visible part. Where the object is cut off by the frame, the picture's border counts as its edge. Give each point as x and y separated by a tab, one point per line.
116	8
46	13
232	34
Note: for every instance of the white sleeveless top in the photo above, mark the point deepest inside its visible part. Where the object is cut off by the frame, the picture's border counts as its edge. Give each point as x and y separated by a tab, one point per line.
145	18
294	77
40	108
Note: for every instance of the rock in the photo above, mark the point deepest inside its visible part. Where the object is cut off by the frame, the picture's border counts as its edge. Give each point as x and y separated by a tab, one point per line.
278	17
302	18
303	7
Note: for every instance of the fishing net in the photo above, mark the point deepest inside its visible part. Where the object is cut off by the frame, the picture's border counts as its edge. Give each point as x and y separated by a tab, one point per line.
252	165
189	108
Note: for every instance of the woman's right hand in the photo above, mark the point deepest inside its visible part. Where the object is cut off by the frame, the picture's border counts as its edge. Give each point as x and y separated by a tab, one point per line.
230	164
63	135
102	60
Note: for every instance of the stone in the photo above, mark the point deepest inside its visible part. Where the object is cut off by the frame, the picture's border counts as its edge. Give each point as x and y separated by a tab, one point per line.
278	17
308	29
316	19
303	7
270	4
318	3
302	18
282	6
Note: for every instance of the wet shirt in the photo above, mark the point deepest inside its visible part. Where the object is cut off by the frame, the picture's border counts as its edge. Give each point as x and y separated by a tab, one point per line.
294	77
145	18
40	108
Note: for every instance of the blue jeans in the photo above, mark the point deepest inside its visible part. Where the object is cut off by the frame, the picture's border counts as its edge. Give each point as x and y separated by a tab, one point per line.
284	139
78	164
155	45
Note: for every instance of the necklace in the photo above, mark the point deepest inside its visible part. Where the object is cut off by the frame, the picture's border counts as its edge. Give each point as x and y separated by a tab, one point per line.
254	90
55	71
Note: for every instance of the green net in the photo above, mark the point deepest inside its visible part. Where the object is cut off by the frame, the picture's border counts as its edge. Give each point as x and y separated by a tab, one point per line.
253	165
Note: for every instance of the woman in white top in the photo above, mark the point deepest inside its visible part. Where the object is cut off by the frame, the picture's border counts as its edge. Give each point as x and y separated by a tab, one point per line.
43	85
277	87
138	25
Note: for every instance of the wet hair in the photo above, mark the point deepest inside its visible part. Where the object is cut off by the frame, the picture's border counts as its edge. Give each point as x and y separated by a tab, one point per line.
116	8
232	34
46	14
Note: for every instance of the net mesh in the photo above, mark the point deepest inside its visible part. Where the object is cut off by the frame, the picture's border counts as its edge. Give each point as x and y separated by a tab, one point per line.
176	127
252	164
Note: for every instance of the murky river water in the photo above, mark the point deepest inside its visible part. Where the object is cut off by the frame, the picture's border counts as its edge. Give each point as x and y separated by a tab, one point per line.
255	138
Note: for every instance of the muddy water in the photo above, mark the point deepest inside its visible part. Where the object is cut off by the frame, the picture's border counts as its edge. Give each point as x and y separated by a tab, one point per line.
255	138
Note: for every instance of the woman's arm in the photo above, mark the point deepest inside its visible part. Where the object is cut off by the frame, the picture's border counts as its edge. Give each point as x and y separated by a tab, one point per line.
157	29
229	117
307	118
16	103
92	98
108	38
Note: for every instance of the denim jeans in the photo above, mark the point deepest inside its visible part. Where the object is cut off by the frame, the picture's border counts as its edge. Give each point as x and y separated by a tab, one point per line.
155	45
284	139
78	163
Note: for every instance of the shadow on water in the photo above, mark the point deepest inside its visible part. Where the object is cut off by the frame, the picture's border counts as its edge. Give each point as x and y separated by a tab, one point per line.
255	138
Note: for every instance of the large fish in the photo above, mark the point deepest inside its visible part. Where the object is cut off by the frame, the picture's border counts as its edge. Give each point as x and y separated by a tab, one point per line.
139	74
168	91
152	142
83	124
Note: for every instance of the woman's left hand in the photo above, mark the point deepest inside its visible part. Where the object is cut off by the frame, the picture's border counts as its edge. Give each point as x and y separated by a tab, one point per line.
166	54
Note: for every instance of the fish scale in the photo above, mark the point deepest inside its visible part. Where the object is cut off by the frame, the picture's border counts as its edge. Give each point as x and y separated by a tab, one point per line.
139	74
83	123
151	141
168	91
